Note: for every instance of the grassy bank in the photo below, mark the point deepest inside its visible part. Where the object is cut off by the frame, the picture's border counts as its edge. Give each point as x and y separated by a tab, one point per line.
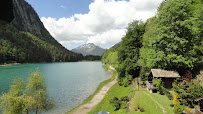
114	73
115	91
139	99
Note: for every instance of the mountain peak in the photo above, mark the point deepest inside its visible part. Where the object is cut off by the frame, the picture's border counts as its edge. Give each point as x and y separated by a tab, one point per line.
88	45
89	49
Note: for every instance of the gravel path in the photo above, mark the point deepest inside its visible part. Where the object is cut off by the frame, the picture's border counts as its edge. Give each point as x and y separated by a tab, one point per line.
83	109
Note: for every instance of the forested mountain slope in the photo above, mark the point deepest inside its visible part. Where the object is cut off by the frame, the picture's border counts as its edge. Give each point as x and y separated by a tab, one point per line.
26	40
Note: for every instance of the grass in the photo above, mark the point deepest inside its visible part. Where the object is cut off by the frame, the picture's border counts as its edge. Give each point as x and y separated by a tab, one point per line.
96	91
115	91
164	101
144	101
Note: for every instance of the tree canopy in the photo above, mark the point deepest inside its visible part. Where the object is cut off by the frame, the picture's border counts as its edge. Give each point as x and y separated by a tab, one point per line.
24	97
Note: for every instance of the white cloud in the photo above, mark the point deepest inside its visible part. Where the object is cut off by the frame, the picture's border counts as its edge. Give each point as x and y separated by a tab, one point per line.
110	37
105	23
62	6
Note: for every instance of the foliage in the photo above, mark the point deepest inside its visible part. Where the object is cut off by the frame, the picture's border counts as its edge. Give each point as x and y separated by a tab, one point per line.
116	103
167	93
170	40
122	103
187	76
177	99
142	74
128	52
173	39
110	57
188	91
125	98
176	85
92	57
15	102
159	85
36	88
22	98
178	109
161	89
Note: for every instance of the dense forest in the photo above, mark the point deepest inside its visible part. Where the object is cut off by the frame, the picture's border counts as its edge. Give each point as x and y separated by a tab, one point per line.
26	40
171	40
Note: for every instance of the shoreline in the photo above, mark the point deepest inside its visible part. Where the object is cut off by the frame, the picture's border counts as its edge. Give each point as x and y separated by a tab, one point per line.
98	90
10	64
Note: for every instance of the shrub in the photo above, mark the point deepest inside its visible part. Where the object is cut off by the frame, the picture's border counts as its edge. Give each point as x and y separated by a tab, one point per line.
187	76
116	103
178	109
177	99
119	103
120	81
176	85
123	104
125	98
159	84
161	90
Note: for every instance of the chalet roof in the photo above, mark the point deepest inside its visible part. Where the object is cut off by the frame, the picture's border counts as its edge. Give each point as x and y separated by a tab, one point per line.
164	73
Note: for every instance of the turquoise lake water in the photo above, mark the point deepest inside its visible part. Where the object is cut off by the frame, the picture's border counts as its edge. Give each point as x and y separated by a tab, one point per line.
69	83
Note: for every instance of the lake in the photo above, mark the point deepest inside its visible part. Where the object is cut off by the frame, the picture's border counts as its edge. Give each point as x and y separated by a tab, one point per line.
69	83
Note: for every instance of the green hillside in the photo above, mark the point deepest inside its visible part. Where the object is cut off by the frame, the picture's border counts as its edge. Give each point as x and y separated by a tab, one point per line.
26	40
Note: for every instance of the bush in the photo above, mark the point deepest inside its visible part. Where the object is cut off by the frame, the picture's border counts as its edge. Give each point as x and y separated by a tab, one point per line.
159	84
120	81
123	104
176	85
125	98
161	90
116	103
187	76
119	103
178	109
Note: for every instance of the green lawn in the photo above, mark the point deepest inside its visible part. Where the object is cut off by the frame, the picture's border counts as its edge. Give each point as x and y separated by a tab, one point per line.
144	101
164	101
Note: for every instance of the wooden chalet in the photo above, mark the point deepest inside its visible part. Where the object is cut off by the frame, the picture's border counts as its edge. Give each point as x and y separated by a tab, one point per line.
167	76
6	12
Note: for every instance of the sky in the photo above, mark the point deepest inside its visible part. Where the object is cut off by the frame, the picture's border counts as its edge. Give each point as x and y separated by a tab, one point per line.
102	22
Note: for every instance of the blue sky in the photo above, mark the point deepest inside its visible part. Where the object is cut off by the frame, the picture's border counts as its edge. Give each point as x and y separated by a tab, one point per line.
59	8
102	22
